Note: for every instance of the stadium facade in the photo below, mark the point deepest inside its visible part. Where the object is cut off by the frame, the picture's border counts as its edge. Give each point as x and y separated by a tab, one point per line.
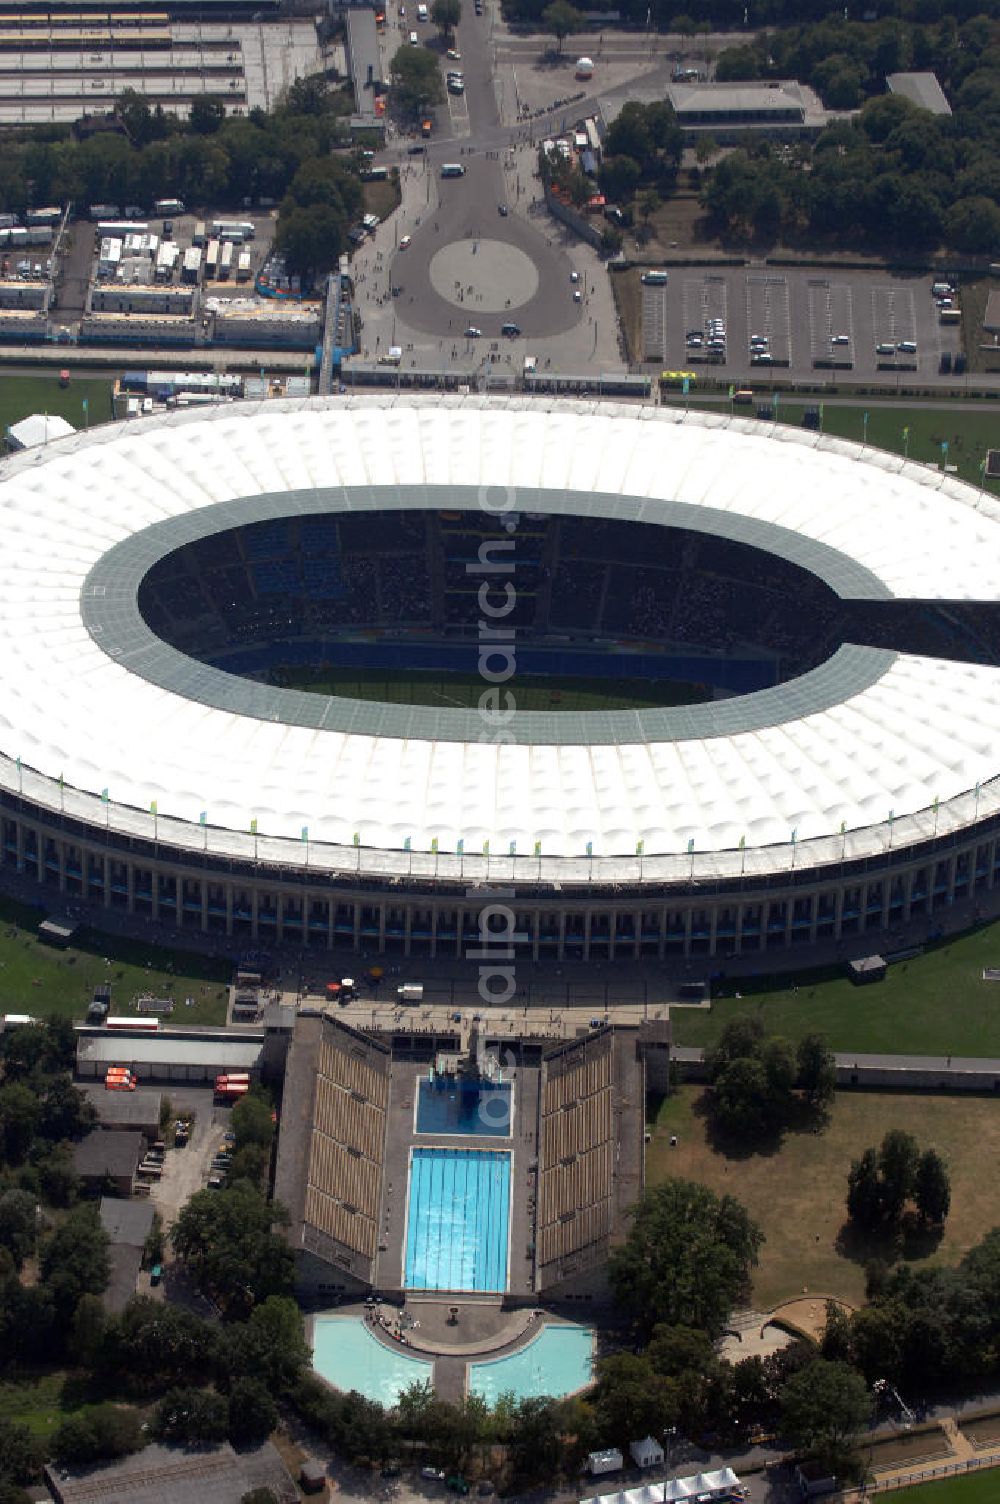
142	769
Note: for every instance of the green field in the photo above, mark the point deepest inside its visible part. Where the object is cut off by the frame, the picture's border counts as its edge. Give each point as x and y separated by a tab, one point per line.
40	1401
37	979
969	430
934	1004
22	395
796	1192
535	692
972	1488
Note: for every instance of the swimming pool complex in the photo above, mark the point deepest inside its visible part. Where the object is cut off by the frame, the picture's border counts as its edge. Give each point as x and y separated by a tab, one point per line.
346	1354
458	1220
477	1109
558	1362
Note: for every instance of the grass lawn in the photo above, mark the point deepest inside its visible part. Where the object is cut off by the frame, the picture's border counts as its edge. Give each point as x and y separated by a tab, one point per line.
40	1401
935	1004
972	1488
38	979
969	430
797	1192
21	395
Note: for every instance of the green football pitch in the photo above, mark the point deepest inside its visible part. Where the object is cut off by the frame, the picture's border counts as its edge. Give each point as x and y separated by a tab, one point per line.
532	692
972	1488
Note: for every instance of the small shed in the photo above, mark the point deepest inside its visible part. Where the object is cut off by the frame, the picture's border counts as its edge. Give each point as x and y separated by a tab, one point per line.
867	969
608	1461
646	1453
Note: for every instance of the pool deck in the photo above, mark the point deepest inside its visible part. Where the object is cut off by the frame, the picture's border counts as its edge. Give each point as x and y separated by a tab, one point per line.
401	1137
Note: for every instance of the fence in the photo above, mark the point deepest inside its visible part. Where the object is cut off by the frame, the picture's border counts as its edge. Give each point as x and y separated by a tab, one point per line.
919	1475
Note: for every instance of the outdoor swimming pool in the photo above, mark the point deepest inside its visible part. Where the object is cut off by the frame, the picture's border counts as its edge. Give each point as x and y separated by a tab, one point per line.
346	1354
478	1109
457	1220
558	1362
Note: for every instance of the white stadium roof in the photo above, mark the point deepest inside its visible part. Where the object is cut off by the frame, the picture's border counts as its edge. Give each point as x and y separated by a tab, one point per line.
906	732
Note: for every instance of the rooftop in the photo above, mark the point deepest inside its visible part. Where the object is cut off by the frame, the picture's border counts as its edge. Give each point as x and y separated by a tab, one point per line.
920	89
737	98
172	1475
105	1153
150	1049
127	1223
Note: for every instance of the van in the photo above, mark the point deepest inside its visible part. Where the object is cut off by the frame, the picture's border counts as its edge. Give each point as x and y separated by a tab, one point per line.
654	278
421	13
413	39
907	347
452	170
512	331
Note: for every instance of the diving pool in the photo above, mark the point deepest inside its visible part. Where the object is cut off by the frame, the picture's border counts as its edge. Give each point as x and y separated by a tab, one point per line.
457	1220
558	1362
347	1355
475	1109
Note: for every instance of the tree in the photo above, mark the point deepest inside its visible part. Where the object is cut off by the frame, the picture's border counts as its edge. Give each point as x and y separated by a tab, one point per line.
156	1346
742	1038
18	1224
416	79
191	1416
931	1189
649	202
561	20
973	225
619	177
97	1433
206	115
446	15
740	1099
252	1122
705	149
253	1414
19	1109
631	1399
75	1259
864	1192
897	1162
824	1408
817	1070
230	1248
21	1453
271	1345
686	1259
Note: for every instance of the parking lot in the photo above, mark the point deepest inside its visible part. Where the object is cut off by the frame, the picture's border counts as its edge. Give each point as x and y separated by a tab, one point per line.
805	323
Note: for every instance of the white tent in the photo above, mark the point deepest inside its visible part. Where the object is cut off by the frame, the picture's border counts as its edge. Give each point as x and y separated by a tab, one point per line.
646	1453
37	429
676	1489
722	1481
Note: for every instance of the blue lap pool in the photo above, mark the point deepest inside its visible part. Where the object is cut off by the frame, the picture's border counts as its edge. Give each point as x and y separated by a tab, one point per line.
346	1354
457	1220
558	1362
477	1109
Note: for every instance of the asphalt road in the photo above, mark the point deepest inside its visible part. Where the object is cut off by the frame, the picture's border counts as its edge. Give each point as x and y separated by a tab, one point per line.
468	209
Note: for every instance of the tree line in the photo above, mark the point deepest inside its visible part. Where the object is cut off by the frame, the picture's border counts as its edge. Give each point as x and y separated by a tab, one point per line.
723	15
898	177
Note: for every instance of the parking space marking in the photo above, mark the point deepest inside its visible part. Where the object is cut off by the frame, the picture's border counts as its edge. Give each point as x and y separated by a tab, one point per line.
894	319
831	323
654	323
705	300
768	318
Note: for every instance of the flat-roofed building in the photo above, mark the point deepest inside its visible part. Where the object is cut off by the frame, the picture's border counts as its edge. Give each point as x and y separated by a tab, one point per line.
921	89
777	108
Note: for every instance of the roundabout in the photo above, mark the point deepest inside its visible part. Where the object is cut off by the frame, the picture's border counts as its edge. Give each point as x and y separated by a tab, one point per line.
483	275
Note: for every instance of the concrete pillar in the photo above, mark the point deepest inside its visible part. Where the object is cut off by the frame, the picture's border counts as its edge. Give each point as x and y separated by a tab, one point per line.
407	927
687	932
130	885
204	905
254	912
561	947
381	928
661	948
357	924
838	914
588	916
536	934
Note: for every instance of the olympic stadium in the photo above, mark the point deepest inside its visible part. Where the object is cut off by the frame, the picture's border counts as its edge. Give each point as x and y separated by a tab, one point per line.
317	673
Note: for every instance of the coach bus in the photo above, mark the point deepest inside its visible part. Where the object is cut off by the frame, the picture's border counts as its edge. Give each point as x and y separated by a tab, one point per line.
452	170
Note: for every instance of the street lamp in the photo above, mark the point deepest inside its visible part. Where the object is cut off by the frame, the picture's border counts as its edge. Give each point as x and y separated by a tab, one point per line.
669	1437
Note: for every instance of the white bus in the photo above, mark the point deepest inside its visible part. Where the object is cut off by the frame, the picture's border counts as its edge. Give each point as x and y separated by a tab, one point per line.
233	229
452	170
